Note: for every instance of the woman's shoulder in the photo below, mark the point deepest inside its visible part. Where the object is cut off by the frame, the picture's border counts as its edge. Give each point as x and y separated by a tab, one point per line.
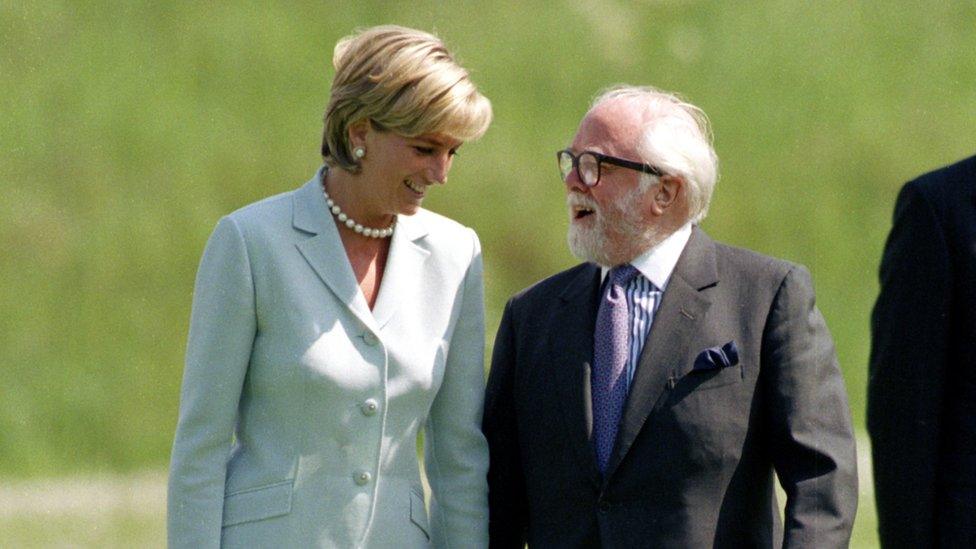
439	229
440	223
269	222
267	209
279	213
449	243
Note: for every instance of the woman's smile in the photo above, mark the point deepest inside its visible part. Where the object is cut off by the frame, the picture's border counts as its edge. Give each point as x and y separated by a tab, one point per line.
419	190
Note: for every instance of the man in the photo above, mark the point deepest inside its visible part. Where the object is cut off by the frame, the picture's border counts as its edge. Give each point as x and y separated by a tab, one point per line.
922	389
645	397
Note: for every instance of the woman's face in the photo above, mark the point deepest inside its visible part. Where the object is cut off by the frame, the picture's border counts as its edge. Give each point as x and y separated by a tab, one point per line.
401	169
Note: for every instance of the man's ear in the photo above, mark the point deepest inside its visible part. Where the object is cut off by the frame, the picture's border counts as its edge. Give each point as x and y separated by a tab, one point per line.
357	132
666	193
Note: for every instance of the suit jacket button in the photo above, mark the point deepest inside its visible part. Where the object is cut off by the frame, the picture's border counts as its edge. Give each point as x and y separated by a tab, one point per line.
603	505
370	339
362	477
369	407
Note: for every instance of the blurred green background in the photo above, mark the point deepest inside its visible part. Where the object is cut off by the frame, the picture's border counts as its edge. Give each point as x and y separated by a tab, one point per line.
128	128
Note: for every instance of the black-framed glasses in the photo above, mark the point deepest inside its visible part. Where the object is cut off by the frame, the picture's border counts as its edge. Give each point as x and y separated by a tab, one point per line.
588	163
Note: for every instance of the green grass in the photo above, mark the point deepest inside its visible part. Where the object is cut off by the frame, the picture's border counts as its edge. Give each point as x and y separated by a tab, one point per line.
122	529
865	533
102	510
128	128
129	510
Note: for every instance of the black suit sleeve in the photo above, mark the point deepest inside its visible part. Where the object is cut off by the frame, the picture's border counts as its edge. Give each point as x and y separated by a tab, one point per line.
507	506
811	438
909	335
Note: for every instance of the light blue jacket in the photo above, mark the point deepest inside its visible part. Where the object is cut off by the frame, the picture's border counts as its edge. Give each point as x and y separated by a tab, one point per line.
300	407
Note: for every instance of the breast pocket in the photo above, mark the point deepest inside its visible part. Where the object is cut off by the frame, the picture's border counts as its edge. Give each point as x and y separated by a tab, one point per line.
712	378
260	503
707	414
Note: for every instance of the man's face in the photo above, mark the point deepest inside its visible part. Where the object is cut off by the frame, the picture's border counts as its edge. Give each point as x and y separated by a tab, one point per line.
611	223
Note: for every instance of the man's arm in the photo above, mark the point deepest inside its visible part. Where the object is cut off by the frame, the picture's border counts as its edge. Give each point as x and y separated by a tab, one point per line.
507	505
812	442
909	331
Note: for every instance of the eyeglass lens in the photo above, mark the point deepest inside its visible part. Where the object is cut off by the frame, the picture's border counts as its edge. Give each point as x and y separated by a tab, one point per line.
589	168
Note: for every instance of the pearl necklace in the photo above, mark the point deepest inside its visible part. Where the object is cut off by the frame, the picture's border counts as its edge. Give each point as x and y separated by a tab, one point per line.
350	223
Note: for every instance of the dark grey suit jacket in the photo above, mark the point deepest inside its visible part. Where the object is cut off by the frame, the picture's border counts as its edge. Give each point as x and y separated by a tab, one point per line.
697	446
922	389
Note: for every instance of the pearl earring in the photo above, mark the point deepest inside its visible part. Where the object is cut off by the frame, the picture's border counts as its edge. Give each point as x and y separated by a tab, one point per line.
359	152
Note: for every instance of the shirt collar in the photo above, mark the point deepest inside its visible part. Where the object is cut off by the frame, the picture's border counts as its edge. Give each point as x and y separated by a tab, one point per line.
658	262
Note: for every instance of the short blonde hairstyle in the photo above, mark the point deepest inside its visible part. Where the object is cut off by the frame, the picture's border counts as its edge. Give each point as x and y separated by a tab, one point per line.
401	80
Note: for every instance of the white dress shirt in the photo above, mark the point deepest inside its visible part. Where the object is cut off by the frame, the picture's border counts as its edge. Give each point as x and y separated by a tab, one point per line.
644	292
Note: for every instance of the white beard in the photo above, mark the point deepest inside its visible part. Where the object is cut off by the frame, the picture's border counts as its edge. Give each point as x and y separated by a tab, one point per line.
618	235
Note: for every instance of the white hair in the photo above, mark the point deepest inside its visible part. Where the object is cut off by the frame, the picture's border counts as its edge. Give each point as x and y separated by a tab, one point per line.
676	139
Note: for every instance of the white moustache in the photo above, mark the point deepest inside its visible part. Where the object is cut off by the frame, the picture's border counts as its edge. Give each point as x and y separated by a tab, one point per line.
581	200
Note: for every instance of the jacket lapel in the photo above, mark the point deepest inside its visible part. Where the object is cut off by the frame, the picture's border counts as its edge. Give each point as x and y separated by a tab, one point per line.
571	346
676	324
324	251
404	267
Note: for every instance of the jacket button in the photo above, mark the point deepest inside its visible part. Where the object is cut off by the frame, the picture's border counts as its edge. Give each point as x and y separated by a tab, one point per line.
369	407
604	506
370	339
362	477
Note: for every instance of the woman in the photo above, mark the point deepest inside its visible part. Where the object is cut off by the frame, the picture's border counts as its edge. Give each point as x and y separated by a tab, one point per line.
330	324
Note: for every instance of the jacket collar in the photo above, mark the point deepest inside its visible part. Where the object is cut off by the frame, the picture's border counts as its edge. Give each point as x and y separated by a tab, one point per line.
326	255
677	323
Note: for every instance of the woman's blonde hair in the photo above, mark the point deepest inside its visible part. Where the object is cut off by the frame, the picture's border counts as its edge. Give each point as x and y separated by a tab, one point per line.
401	80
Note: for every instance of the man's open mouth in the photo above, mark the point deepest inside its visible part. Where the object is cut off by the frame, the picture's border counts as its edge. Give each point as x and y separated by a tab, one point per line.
579	212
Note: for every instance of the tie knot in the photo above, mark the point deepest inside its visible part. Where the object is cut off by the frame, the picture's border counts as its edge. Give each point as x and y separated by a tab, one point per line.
621	275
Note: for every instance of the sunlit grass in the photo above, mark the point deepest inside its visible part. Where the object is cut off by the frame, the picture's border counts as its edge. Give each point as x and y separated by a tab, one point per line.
122	529
127	129
129	510
84	511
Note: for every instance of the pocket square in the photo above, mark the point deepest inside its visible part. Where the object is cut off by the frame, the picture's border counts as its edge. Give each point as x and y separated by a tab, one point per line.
717	357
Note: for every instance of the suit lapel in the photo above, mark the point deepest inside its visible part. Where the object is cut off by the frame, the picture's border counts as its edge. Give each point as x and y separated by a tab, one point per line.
324	251
404	267
676	324
571	346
